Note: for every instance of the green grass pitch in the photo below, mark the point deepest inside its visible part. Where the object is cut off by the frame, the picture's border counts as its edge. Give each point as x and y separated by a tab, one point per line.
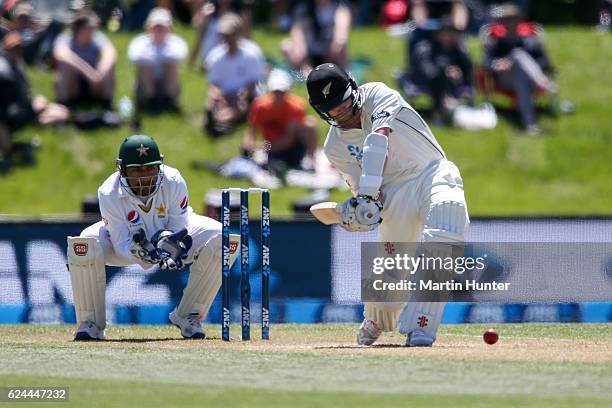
543	365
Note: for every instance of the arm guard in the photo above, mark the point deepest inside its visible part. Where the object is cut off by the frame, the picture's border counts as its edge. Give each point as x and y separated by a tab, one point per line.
375	150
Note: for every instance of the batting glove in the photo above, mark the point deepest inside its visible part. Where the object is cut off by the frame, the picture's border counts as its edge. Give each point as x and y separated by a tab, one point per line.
360	214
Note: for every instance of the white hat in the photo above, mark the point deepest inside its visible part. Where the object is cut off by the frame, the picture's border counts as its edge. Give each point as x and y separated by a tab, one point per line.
229	23
23	9
279	80
159	16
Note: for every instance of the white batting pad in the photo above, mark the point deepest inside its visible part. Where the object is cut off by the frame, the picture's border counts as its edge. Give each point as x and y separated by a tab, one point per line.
88	276
385	315
447	222
423	316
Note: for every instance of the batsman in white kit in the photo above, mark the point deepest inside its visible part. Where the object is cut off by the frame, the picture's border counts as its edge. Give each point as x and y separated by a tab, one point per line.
146	221
401	180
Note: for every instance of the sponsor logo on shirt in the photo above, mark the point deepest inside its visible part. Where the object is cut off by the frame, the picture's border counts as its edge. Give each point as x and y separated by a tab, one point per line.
355	151
184	203
133	217
380	115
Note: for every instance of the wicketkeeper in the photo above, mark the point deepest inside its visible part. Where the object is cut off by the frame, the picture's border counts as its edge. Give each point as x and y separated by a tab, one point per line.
401	181
146	221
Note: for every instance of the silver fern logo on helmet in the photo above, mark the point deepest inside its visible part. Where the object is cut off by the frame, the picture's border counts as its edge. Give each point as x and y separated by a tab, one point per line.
326	90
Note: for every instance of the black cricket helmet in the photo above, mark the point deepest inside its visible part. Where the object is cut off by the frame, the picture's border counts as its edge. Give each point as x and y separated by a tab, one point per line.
329	86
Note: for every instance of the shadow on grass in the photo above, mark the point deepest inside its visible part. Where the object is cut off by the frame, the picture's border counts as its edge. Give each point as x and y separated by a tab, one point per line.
375	346
130	340
152	340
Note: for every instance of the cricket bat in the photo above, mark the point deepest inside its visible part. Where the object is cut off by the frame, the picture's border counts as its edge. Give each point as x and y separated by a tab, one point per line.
327	212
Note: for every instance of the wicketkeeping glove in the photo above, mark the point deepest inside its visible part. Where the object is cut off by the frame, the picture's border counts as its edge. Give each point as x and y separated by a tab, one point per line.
173	247
144	250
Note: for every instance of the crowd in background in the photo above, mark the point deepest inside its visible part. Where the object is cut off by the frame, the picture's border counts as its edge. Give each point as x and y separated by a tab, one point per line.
242	85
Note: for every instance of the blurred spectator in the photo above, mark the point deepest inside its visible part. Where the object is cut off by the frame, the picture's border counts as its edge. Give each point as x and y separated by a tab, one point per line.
428	13
234	68
289	135
394	12
319	34
157	55
280	14
456	10
442	66
85	63
37	37
515	55
480	11
134	13
17	107
366	11
605	16
206	21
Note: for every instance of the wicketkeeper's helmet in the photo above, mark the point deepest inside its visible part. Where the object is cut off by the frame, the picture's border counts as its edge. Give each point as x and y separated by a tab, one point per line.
138	151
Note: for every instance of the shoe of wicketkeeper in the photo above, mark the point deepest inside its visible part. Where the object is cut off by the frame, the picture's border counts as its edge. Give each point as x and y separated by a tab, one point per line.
191	326
88	331
418	338
368	333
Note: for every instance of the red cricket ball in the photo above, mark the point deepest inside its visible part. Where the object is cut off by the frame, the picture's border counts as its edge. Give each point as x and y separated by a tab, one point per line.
490	336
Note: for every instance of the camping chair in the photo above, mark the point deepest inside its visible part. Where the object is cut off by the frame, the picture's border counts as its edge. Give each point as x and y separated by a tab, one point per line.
485	80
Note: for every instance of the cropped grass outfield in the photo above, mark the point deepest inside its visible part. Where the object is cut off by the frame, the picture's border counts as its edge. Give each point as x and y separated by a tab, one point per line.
505	172
545	365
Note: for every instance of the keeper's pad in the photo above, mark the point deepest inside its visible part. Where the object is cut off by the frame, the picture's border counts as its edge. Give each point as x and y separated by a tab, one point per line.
88	278
205	277
375	148
446	223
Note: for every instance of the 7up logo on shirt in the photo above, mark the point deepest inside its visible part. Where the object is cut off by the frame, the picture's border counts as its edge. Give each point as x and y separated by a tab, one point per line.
356	152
